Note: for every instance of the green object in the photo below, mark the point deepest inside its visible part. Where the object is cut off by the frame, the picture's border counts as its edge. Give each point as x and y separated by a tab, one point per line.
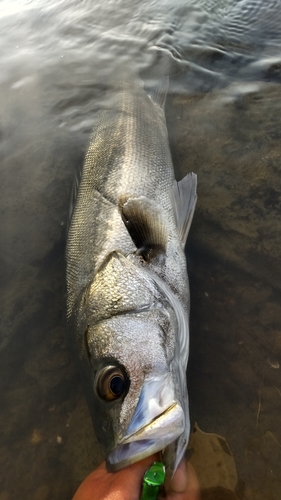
153	478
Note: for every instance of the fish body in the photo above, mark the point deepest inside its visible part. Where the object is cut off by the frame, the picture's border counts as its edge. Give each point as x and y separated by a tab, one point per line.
127	284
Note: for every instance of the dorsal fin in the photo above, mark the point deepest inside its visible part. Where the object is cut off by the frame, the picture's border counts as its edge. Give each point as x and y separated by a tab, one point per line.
159	92
145	223
184	199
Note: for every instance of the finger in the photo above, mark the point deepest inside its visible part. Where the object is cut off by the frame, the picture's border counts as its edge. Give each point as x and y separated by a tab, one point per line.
129	480
179	481
136	471
193	487
184	485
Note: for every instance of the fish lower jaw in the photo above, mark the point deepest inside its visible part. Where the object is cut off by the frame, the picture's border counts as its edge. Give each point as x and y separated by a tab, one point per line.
152	438
132	452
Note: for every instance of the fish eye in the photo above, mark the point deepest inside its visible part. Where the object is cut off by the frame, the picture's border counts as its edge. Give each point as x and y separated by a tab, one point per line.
112	383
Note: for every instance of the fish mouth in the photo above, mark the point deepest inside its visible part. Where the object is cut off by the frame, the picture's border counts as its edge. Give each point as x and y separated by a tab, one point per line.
148	439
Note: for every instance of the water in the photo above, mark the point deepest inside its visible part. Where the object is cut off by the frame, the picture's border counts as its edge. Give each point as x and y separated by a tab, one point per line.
223	116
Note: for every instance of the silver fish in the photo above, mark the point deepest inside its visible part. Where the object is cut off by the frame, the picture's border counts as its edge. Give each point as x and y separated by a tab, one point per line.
127	285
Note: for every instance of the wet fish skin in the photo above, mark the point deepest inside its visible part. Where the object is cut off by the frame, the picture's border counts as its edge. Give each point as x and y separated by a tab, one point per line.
127	285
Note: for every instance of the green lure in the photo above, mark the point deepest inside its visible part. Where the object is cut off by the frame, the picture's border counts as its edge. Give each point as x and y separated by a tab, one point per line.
152	479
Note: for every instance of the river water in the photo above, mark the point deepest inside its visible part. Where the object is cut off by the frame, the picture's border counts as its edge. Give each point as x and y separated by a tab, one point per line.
224	121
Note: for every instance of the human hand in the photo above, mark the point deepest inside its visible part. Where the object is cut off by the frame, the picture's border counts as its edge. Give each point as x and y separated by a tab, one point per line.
184	485
126	483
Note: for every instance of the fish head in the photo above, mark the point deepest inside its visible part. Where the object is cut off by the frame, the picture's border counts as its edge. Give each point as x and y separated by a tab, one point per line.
137	408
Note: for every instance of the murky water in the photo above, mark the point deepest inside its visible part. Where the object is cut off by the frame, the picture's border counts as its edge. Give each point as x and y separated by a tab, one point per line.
224	121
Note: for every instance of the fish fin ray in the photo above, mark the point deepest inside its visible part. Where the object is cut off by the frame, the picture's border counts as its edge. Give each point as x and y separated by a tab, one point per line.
73	195
184	199
158	94
145	223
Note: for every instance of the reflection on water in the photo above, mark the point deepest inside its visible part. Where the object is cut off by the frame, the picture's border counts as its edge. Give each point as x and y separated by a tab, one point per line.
224	122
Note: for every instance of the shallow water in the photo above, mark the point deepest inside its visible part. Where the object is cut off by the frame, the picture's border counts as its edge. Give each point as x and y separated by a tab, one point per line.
223	117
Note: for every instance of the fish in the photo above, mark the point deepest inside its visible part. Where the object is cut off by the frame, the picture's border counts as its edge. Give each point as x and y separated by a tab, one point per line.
128	296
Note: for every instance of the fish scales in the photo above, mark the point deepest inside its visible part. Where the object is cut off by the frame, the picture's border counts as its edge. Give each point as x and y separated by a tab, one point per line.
127	285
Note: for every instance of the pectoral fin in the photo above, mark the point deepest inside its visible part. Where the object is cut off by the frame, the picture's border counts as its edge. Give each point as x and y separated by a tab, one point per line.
145	224
184	199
